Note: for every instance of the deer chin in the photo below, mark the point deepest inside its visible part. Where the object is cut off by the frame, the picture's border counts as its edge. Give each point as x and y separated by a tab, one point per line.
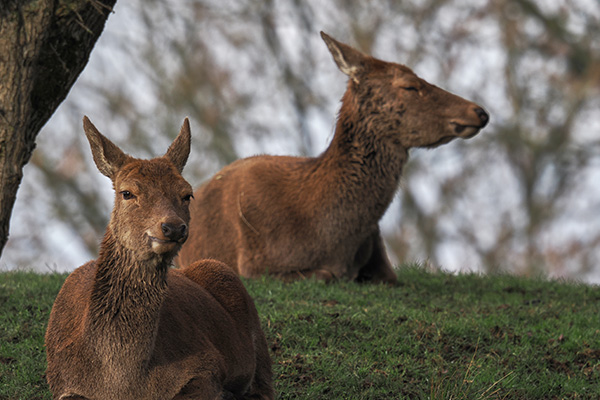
465	131
441	141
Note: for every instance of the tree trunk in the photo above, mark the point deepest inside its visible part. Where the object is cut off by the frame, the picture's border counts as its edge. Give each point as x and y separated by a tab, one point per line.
44	46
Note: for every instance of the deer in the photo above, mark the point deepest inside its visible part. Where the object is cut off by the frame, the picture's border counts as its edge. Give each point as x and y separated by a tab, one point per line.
299	217
129	326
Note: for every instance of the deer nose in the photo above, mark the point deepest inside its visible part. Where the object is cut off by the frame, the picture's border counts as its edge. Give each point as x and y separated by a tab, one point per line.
174	232
483	116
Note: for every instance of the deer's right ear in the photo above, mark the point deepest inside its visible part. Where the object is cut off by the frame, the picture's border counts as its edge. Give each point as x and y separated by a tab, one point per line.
349	60
107	156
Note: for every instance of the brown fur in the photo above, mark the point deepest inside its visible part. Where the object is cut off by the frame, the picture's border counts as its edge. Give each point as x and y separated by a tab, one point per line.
126	326
295	217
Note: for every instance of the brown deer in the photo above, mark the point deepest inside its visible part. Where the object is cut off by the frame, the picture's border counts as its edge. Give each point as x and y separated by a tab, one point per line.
296	217
127	326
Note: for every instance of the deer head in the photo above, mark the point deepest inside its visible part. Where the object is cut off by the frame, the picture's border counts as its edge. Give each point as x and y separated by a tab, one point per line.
151	210
396	102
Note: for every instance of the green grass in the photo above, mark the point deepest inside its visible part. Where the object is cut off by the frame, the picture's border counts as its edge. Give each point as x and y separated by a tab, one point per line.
435	336
25	303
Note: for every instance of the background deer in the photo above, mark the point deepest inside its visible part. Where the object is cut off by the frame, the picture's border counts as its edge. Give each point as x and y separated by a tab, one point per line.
300	216
126	326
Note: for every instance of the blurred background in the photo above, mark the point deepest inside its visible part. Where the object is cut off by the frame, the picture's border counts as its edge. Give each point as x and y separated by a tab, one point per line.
255	77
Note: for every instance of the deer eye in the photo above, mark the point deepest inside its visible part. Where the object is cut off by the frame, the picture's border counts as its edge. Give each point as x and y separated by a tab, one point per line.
187	198
411	89
127	195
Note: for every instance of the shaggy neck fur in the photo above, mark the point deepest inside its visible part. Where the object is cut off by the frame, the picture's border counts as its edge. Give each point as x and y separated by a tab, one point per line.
366	153
125	307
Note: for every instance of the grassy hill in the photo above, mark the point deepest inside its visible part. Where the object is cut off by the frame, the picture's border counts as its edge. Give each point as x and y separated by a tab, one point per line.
435	336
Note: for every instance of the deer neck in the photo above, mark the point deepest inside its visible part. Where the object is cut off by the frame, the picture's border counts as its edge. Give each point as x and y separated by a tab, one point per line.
125	305
366	160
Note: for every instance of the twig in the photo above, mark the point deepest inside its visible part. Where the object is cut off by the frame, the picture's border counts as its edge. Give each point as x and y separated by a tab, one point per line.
241	214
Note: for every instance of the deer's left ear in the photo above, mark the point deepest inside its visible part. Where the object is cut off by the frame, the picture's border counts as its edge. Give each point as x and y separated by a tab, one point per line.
179	150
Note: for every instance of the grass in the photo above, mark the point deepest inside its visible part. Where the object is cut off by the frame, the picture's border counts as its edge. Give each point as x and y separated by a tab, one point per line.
435	336
25	303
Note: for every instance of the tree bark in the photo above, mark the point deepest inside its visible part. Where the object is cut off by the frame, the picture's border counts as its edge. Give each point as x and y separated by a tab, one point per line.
44	46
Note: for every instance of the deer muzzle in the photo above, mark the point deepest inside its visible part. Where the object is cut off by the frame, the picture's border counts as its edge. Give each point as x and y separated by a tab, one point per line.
170	236
175	232
470	126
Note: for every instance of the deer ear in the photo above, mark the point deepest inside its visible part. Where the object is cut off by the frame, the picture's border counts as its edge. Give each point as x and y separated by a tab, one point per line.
107	156
179	150
349	60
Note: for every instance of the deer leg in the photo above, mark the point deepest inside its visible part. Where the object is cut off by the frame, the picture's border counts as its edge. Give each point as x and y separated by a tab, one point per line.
261	388
203	387
377	267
